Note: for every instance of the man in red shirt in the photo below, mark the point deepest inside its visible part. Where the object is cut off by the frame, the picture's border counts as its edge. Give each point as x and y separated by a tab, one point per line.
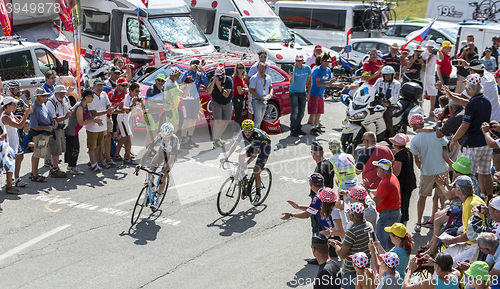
388	200
116	98
372	153
443	69
373	65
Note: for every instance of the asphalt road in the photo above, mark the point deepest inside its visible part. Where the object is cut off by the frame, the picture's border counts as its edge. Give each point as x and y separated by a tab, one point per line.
76	233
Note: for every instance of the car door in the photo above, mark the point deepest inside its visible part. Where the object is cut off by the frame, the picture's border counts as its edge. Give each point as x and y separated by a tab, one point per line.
19	65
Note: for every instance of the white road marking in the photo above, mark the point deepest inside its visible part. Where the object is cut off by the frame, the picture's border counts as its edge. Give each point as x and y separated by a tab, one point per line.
174	187
32	242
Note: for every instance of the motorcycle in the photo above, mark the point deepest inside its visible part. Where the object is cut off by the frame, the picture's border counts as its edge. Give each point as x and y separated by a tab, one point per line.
98	66
365	113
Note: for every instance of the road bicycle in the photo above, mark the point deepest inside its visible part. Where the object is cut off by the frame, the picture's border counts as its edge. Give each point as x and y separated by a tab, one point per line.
486	10
149	193
236	187
378	15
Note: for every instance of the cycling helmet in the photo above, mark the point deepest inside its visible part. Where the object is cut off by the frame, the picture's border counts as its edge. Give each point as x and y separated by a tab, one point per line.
388	70
167	129
14	83
247	125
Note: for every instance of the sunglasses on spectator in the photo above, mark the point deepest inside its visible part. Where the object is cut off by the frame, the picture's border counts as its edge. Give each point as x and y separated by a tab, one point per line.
160	80
137	91
241	67
263	56
195	62
123	85
327	60
373	54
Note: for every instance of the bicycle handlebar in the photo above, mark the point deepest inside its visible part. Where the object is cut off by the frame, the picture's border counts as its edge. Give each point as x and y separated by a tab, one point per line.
231	162
160	174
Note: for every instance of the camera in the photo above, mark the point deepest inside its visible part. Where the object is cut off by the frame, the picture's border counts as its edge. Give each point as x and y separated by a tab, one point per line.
467	49
434	51
420	261
419	57
454	62
220	77
197	66
60	126
189	79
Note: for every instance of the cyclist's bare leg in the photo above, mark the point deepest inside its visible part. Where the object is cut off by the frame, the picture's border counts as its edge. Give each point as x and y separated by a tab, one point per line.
256	174
163	180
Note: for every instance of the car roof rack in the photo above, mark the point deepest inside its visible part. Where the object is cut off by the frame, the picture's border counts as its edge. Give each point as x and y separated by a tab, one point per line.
13	38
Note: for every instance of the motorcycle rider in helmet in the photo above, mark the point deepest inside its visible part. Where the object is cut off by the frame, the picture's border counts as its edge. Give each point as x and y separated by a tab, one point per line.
388	89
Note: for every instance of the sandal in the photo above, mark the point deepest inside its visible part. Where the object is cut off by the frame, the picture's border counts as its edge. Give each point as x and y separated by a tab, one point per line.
31	176
12	191
39	179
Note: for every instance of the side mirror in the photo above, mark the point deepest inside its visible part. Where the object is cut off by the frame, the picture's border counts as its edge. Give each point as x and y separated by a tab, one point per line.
65	67
243	40
90	46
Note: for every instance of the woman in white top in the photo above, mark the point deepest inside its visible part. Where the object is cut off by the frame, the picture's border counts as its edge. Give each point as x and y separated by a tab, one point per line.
10	125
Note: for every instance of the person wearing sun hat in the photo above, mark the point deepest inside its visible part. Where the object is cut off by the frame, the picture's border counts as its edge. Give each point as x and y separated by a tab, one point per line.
430	154
480	278
443	65
386	264
403	170
415	64
365	277
387	197
355	240
475	148
360	194
403	245
221	89
392	58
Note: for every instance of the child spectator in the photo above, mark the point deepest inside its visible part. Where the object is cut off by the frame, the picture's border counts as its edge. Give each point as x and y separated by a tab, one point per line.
27	140
490	63
365	277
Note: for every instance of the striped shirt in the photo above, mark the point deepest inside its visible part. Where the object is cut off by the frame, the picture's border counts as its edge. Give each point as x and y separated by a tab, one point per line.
356	238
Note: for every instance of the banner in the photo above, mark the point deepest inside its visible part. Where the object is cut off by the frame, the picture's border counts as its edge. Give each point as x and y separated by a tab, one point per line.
65	15
146	3
5	20
77	34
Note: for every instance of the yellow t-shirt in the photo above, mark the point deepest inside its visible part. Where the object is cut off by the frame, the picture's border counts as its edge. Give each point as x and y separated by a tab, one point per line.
471	202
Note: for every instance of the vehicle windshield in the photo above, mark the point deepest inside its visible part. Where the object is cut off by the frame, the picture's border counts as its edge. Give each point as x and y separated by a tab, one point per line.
181	29
267	29
452	32
301	40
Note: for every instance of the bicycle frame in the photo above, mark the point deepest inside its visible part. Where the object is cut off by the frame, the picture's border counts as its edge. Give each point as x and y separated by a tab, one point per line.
151	184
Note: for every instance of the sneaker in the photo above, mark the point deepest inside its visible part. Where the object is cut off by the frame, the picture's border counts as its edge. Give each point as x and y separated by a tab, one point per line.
314	132
294	133
321	125
118	158
96	168
20	183
418	227
57	173
132	156
300	132
89	164
191	142
428	224
105	165
256	198
113	164
319	129
129	162
76	171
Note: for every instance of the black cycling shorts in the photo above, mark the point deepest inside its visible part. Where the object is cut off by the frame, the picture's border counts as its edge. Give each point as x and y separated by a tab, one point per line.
264	152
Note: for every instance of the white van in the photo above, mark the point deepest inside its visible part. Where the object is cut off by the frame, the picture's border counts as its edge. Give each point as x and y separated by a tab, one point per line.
325	23
113	25
450	10
255	27
482	36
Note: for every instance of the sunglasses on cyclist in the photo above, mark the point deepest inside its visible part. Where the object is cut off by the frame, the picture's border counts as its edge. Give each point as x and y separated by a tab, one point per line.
247	131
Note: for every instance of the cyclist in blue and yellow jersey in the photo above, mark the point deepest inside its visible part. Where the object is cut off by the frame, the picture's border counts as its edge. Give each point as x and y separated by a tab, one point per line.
343	165
258	145
167	153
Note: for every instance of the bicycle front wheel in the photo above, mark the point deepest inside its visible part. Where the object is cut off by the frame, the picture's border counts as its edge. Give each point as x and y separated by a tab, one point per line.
229	196
162	196
141	202
367	19
266	180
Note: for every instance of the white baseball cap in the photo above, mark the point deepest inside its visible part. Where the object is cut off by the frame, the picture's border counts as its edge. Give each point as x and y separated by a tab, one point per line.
430	43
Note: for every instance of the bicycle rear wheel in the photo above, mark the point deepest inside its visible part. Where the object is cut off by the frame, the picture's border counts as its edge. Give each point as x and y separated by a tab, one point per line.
229	196
367	19
487	10
162	196
141	202
266	180
391	18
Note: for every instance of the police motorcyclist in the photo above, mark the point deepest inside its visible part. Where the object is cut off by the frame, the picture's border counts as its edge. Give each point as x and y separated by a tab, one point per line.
388	88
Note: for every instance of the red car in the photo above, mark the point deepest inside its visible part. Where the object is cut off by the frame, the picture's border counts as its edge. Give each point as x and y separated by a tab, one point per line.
277	106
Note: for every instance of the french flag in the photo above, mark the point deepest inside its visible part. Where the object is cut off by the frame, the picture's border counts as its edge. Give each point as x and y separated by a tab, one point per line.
418	35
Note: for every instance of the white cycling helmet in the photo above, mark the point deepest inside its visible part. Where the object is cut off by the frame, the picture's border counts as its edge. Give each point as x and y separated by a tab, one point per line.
167	129
388	70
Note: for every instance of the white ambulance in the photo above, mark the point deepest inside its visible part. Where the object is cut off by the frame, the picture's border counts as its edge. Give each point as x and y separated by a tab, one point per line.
114	26
254	27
